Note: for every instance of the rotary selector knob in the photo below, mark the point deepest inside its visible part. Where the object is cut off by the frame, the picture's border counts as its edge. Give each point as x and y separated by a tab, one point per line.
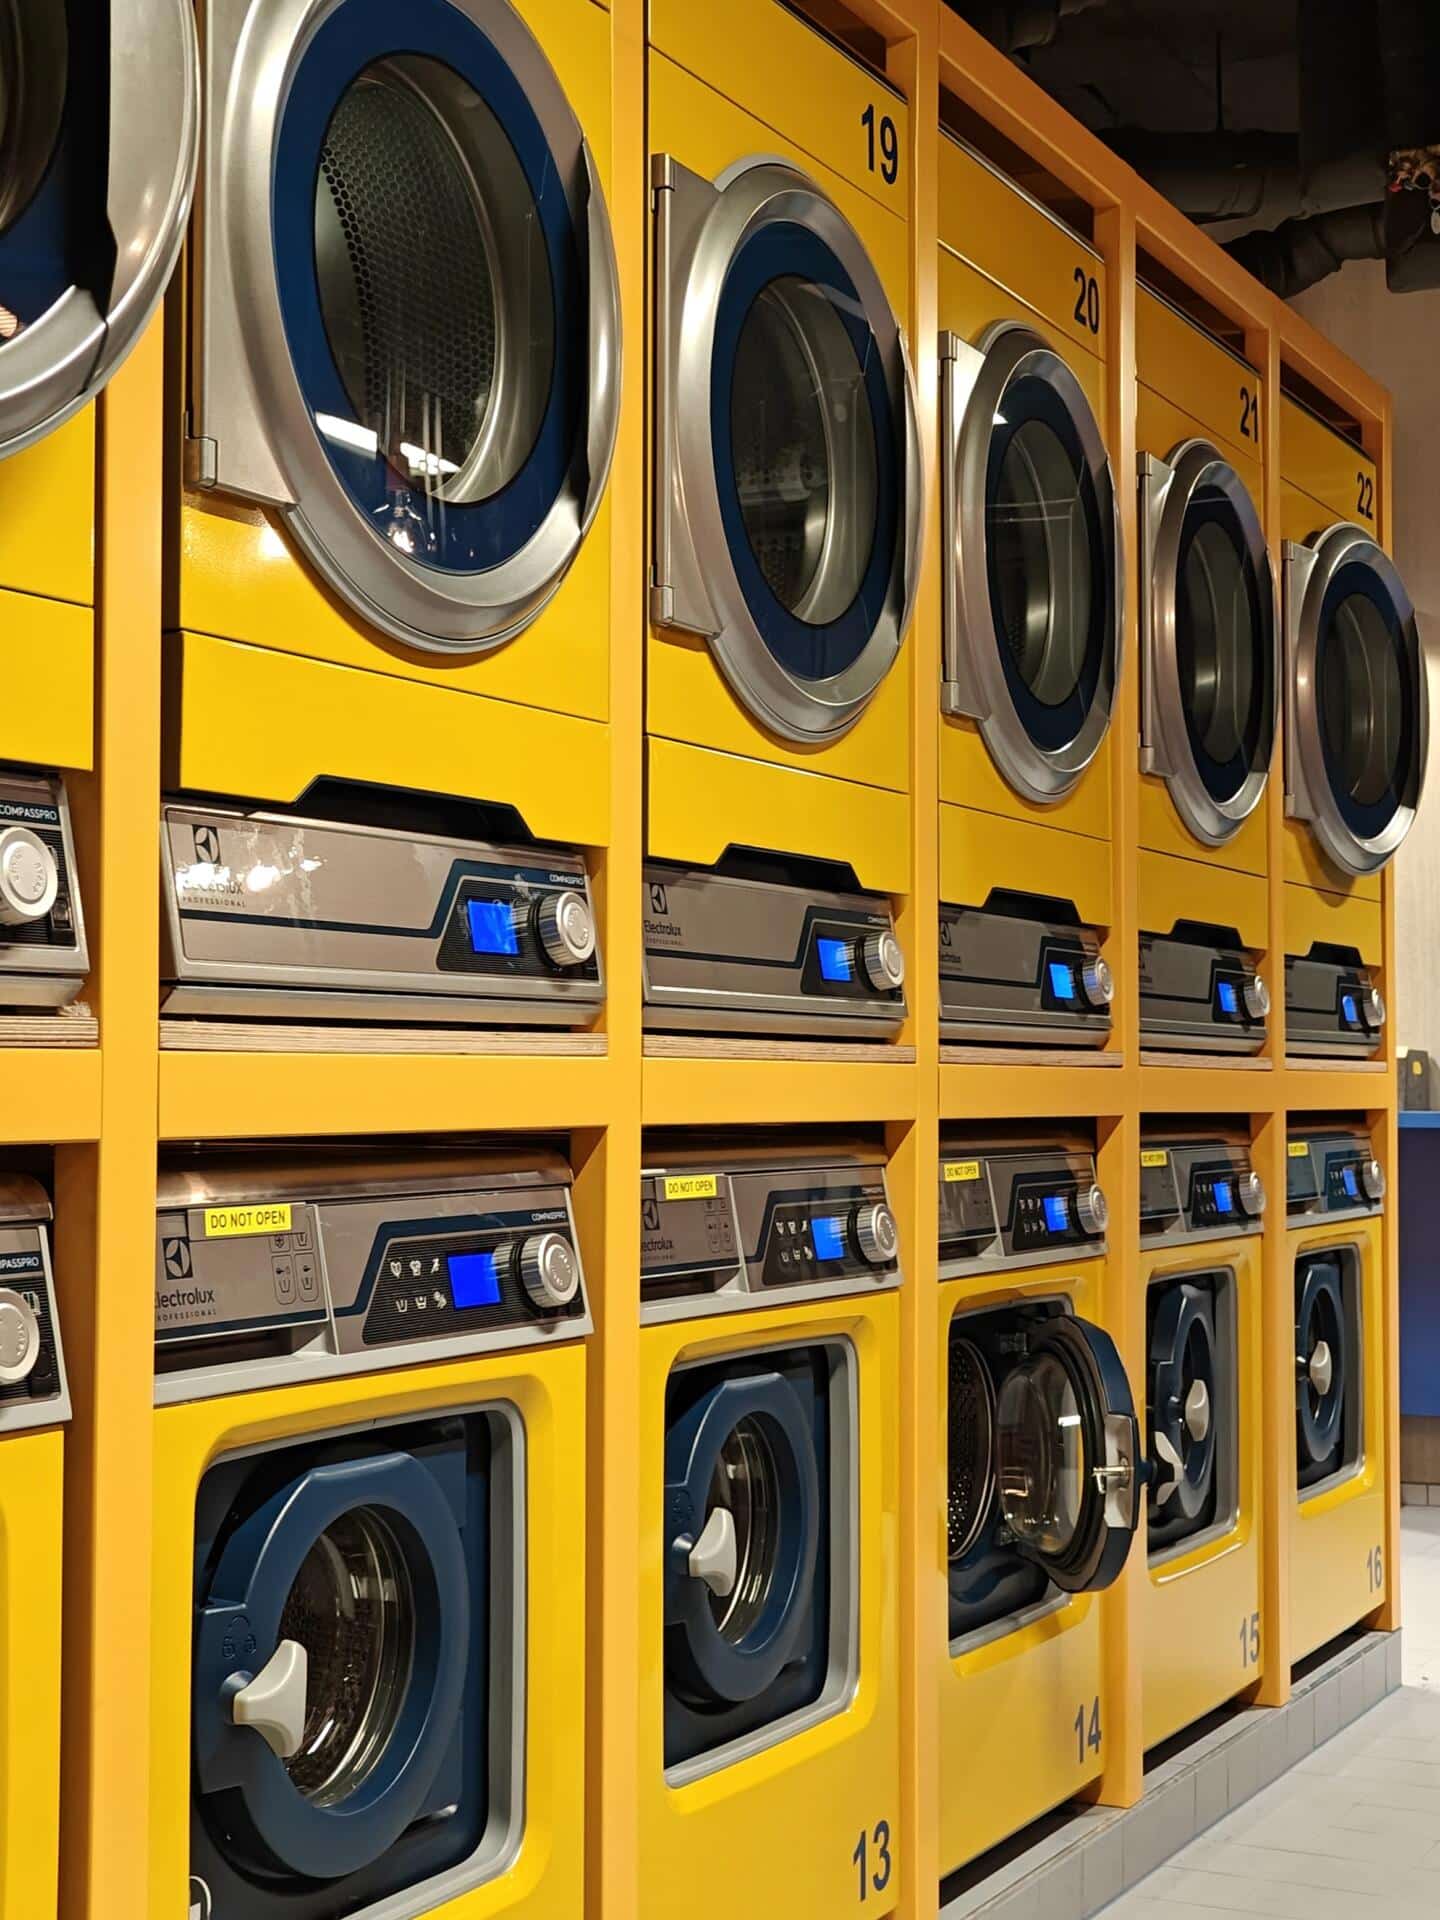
1371	1003
565	927
1097	982
876	1234
1092	1210
19	1338
1256	996
1250	1192
549	1271
882	961
29	877
1372	1179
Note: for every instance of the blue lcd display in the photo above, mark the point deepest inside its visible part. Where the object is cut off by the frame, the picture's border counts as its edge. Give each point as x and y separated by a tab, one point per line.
1227	996
474	1279
828	1233
1062	980
1224	1198
1057	1212
834	959
492	927
1352	1185
1348	1010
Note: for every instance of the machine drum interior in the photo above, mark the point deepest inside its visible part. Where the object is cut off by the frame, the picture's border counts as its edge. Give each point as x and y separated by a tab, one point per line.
971	1426
746	1483
1040	563
34	58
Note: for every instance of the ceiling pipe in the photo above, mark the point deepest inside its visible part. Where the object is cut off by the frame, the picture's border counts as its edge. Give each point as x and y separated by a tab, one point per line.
1021	24
1299	253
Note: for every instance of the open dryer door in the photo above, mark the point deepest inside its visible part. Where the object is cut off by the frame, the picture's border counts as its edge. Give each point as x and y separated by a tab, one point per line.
1034	574
99	136
1211	661
1069	1462
1357	704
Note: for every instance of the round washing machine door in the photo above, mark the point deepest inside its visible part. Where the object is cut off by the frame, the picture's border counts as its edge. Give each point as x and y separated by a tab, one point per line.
99	138
789	486
970	1445
743	1527
330	1653
1068	1455
1359	703
1184	1408
1322	1364
425	292
1211	640
1034	577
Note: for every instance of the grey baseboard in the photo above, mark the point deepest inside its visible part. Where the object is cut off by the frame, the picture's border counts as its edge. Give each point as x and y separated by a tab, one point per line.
1082	1861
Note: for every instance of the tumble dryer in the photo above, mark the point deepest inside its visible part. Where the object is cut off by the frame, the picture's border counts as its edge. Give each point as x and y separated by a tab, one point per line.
394	417
1033	591
101	134
1045	1468
1336	1556
787	505
1210	677
769	1382
34	1406
368	1690
1202	1207
1357	722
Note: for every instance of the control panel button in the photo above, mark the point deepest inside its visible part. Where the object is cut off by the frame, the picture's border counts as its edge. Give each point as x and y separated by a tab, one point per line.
1097	982
1092	1210
565	927
1372	1179
1371	1003
19	1338
1250	1192
882	961
29	877
876	1234
1256	996
549	1271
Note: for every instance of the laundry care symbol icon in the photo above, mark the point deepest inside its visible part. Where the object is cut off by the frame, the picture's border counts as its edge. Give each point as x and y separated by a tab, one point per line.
239	1643
207	844
177	1259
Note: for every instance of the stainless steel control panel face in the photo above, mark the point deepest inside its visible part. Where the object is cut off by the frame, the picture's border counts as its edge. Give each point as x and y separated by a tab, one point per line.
751	956
751	1229
1195	996
1003	977
273	1267
1332	1171
1017	1206
33	1388
1197	1190
43	956
1331	1007
289	918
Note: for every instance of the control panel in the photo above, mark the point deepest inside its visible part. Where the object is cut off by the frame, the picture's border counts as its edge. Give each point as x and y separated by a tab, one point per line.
1331	1006
318	1271
33	1388
1332	1170
1017	1205
286	915
1003	976
1198	995
43	955
741	1230
768	957
1197	1189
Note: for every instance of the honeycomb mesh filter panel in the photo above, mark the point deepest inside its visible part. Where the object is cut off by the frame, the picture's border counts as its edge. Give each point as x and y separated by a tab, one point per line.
414	236
970	1422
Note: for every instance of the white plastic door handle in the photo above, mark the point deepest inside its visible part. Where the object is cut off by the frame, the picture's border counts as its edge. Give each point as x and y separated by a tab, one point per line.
713	1557
273	1703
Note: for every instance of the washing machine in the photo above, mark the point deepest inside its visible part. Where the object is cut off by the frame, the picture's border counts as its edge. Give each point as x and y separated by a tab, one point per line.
1045	1465
1210	677
787	507
1202	1207
101	134
1357	724
1033	618
369	1537
393	420
1335	1194
768	1408
34	1407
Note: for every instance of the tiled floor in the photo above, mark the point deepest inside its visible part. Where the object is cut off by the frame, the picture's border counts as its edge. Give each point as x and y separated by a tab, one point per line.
1352	1833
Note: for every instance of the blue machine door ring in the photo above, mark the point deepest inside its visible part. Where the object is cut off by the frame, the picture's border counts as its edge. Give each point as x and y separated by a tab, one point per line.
1182	1402
1321	1360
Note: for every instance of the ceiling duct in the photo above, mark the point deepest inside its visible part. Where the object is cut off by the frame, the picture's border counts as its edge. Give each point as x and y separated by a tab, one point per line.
1024	24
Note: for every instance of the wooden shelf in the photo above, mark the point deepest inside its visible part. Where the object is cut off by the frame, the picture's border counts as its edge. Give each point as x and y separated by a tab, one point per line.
259	1036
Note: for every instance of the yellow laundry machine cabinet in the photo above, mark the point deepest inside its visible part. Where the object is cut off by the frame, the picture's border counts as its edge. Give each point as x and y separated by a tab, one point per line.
101	139
369	1538
1033	618
394	396
1356	736
1335	1197
769	1402
787	505
1045	1466
34	1406
1210	679
1202	1207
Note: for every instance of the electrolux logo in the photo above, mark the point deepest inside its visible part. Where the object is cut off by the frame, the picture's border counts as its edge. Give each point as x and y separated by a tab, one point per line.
184	1297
